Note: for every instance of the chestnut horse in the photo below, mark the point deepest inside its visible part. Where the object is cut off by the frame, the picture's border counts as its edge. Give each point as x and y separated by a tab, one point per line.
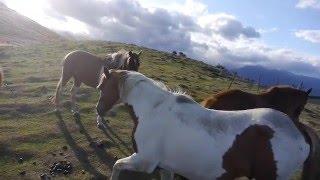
180	136
286	99
86	68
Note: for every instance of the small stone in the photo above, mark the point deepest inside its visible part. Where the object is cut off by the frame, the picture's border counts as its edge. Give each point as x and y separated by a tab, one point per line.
65	148
34	163
20	160
44	177
61	153
22	173
83	171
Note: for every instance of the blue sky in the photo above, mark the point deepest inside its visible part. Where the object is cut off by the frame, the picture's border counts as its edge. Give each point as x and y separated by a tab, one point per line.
282	35
282	15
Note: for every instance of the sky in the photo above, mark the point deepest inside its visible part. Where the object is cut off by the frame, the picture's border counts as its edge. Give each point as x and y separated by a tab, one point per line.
282	35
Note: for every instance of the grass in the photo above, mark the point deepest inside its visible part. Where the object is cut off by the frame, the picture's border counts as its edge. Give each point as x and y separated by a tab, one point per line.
30	129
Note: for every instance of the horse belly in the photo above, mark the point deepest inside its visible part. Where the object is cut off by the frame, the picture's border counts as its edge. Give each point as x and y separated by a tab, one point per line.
195	155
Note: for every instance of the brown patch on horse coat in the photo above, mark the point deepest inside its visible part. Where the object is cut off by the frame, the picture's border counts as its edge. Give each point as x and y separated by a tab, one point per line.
135	124
251	155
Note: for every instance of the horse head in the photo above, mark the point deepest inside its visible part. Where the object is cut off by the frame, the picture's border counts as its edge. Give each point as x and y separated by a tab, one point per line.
109	86
133	61
288	100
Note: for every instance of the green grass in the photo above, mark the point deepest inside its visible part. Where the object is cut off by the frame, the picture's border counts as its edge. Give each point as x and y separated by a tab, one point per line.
30	129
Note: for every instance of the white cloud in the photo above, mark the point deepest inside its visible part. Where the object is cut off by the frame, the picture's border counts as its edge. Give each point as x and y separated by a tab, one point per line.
188	26
308	4
309	35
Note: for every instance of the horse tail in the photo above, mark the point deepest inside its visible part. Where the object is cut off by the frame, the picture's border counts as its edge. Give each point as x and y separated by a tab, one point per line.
311	167
65	76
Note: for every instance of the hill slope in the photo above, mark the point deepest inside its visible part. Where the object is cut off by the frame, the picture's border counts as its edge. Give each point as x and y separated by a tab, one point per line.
272	77
29	129
16	29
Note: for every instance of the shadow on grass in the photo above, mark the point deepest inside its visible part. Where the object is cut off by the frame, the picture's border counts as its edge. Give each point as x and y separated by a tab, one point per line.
79	152
108	130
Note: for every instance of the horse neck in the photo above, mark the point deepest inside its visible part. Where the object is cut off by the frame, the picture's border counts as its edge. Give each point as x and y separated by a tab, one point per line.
144	97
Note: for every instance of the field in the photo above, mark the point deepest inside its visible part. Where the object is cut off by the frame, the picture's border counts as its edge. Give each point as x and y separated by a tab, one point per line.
33	137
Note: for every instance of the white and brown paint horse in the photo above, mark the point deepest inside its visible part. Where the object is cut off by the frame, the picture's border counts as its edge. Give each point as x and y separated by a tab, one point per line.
179	135
86	68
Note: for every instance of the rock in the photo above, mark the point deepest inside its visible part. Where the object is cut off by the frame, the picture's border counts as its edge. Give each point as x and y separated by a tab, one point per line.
100	144
20	160
22	173
44	177
61	167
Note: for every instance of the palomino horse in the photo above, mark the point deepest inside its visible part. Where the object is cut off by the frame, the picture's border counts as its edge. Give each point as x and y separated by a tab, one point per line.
286	99
179	135
86	68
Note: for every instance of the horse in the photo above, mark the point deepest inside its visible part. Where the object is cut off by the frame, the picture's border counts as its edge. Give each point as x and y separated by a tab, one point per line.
86	68
179	135
286	99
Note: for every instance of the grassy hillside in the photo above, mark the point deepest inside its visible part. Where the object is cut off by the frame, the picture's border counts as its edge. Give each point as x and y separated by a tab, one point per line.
19	30
29	129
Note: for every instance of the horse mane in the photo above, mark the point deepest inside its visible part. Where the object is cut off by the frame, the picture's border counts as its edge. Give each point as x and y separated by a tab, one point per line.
120	55
138	77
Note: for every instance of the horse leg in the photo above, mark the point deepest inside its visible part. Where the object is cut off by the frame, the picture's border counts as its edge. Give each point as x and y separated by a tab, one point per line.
135	162
65	76
74	90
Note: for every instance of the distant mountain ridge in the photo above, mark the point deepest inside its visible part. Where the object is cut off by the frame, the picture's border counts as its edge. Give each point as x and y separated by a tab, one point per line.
272	77
16	29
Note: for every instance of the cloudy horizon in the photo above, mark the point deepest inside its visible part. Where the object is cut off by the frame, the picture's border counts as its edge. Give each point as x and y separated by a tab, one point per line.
213	32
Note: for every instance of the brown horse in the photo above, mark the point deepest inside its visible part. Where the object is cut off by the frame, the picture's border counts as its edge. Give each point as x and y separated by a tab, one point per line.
283	98
86	68
286	99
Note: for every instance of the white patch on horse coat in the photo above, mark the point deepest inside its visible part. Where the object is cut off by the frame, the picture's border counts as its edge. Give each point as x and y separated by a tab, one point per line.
179	139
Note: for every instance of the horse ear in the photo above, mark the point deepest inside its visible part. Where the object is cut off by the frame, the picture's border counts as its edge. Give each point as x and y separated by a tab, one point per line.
106	72
309	91
139	53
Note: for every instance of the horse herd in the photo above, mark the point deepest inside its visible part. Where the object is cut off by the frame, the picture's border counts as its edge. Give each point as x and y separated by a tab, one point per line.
232	134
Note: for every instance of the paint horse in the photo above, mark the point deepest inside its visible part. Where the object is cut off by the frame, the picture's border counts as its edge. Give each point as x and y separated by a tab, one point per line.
86	68
286	99
180	136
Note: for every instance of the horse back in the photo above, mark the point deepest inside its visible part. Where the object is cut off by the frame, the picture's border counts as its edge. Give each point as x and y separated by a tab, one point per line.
232	100
83	66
